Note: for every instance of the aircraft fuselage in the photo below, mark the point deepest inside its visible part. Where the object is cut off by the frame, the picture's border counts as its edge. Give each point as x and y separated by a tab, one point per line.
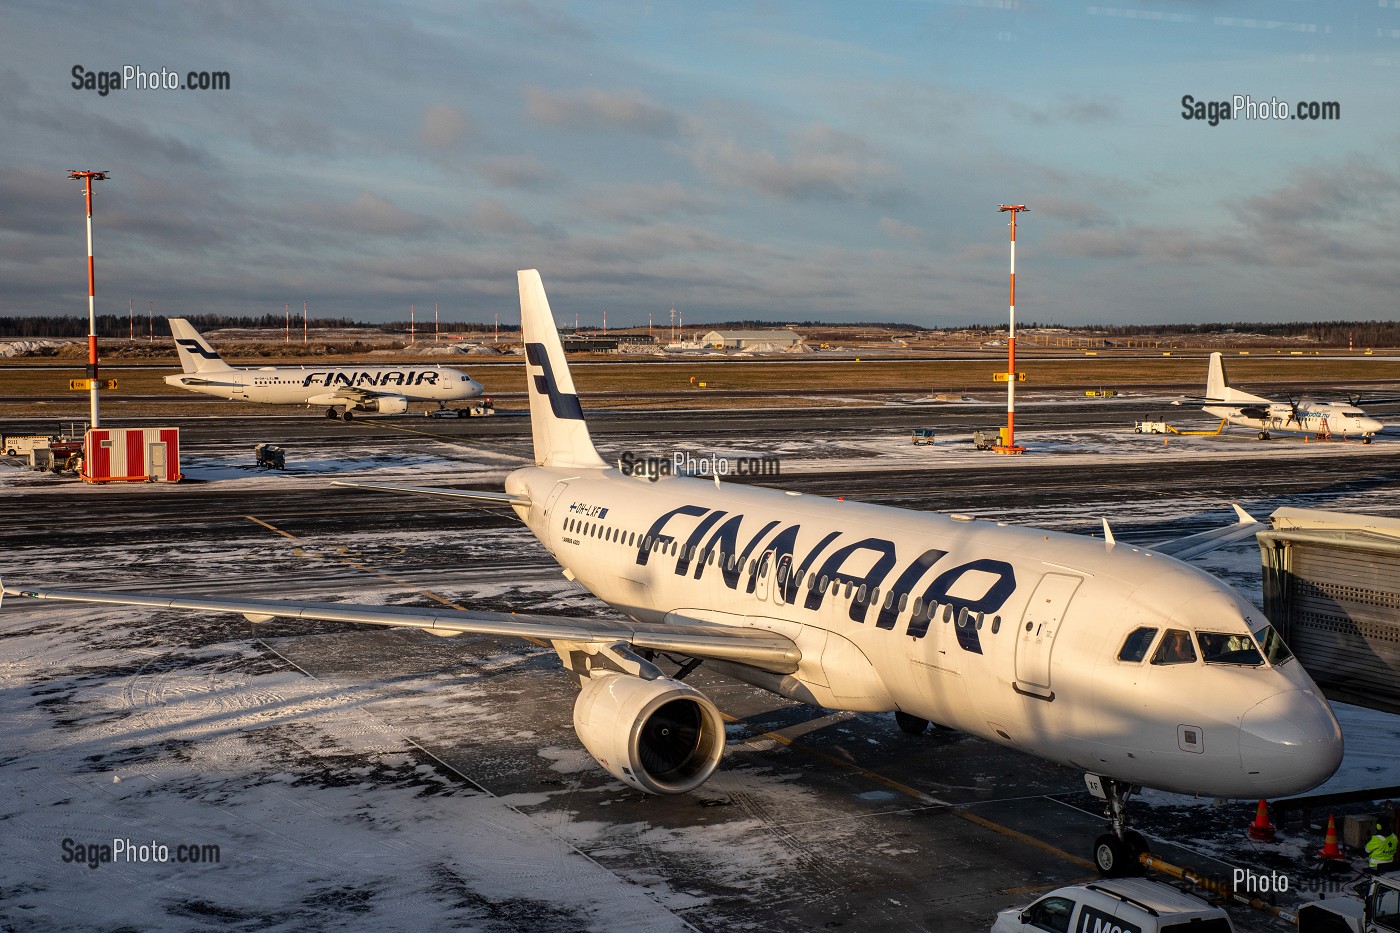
297	385
1021	645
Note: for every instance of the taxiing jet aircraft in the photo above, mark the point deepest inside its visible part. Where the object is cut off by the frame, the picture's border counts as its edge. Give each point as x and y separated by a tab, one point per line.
383	389
1120	661
1266	416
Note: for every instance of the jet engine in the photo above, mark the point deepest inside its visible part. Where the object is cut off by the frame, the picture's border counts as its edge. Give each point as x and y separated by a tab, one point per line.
385	404
660	736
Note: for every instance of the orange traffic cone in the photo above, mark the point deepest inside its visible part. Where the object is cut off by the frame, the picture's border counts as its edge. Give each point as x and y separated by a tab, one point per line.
1262	830
1330	849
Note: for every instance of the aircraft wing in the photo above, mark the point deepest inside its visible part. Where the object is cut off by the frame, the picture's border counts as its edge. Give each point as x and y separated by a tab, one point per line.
497	498
1207	541
760	648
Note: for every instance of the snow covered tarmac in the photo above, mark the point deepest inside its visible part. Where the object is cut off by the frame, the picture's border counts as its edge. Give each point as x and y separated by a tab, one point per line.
347	776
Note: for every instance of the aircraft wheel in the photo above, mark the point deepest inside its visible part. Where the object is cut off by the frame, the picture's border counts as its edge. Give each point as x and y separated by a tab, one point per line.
1263	435
1366	440
349	415
1112	857
331	413
910	724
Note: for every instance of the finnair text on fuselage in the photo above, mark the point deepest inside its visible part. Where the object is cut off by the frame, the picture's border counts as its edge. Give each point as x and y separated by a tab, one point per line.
982	585
372	377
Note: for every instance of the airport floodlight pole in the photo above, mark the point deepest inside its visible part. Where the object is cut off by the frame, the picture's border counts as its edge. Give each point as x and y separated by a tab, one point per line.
87	178
1008	446
412	336
303	321
436	331
131	319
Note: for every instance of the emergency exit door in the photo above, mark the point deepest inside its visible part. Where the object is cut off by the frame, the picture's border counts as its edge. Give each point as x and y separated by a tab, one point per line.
1039	625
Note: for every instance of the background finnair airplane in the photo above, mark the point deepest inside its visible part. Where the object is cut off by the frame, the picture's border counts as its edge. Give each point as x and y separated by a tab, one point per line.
1117	660
383	389
1266	416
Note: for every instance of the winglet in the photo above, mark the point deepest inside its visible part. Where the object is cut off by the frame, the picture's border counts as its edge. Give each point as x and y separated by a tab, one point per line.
1108	534
1245	517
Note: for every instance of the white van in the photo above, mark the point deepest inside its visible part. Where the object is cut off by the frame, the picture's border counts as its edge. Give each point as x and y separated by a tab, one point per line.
1121	905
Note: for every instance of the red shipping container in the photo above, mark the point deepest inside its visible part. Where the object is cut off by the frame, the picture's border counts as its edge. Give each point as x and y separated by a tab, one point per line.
132	455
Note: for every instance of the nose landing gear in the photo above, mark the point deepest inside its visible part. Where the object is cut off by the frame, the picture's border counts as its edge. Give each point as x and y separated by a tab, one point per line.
1116	853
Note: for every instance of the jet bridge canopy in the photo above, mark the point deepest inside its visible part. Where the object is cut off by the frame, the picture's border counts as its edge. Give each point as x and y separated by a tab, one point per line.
1332	588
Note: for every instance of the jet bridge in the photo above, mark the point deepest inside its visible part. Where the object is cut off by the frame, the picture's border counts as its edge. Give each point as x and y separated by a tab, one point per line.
1332	588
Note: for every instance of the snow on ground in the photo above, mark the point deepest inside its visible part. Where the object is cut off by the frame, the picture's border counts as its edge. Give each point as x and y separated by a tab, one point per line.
321	809
321	812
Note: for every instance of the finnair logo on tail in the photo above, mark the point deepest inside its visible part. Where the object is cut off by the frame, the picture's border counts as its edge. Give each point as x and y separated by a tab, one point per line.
563	405
194	346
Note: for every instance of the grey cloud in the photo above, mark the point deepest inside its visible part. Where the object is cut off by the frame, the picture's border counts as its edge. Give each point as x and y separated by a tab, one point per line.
444	127
900	230
646	203
525	173
1318	193
373	214
598	110
824	165
494	217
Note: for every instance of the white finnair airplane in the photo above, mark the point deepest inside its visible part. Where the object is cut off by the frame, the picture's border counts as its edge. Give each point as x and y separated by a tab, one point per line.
1120	661
1267	416
383	389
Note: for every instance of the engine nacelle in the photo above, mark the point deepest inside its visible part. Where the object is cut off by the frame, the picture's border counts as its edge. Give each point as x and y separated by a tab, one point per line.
385	404
659	736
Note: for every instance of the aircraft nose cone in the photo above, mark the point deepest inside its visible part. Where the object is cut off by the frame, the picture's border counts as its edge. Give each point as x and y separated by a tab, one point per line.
1289	743
475	387
1371	426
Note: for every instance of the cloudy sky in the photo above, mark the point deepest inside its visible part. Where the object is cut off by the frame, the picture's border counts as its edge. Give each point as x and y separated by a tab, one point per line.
773	159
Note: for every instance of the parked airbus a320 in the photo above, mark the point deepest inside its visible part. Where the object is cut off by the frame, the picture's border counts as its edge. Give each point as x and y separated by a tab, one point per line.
1120	661
383	389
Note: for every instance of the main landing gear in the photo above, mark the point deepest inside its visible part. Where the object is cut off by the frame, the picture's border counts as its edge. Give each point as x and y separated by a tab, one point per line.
1116	853
348	416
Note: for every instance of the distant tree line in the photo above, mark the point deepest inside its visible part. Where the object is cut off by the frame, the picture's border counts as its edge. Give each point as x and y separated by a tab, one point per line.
1323	333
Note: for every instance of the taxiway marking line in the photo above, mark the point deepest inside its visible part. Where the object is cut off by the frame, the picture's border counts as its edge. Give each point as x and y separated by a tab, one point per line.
279	531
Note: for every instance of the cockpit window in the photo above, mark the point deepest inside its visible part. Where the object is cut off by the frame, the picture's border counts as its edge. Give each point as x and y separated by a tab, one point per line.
1176	648
1136	644
1271	643
1223	648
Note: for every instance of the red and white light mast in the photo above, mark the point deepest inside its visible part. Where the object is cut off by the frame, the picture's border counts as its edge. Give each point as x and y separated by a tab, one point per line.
87	179
1008	443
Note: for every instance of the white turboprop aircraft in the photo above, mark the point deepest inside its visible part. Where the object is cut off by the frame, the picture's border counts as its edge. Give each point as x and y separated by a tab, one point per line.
1321	419
383	389
1120	661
